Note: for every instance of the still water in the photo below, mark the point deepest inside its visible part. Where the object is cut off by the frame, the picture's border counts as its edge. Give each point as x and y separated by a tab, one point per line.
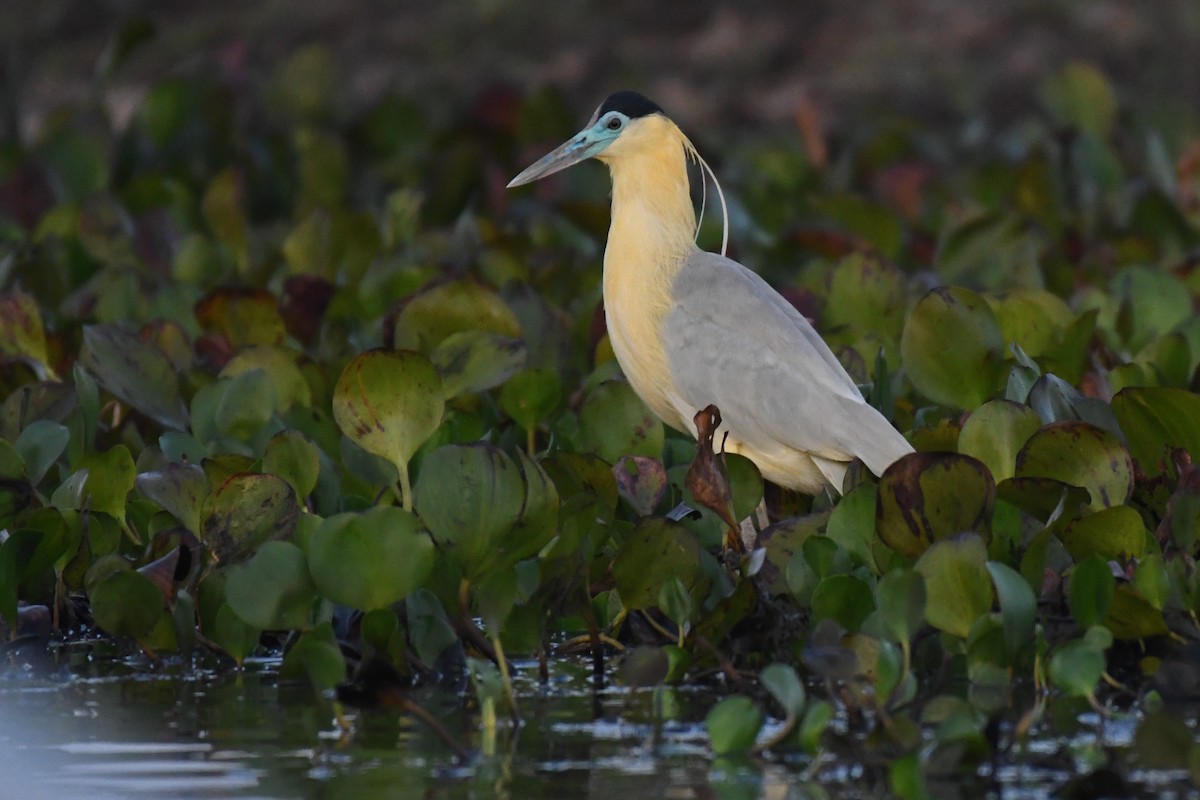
87	722
82	724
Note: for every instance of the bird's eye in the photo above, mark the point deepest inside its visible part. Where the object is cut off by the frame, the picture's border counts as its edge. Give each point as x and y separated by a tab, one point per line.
614	124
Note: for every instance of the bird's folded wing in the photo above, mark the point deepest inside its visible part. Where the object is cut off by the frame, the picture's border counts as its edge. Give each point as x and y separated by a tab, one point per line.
732	340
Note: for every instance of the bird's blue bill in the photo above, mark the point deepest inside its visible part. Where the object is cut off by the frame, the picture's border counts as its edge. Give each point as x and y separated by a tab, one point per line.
580	147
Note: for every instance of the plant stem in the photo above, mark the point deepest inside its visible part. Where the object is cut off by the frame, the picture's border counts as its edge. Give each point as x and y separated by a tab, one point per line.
506	678
405	488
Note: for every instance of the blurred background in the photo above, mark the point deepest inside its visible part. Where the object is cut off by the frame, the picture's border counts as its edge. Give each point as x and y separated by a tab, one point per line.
708	63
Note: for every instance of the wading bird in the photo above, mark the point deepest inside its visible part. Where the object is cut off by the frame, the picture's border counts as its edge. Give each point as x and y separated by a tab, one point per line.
690	328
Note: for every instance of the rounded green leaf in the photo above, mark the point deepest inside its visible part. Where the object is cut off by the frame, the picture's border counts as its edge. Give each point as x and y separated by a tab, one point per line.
953	348
733	725
1033	318
866	296
845	599
1076	667
111	476
784	685
995	432
614	422
389	402
1156	419
1116	533
1079	454
372	559
244	511
294	458
247	402
279	365
316	656
470	497
179	489
126	603
273	590
926	497
531	396
429	318
656	551
957	583
232	634
472	361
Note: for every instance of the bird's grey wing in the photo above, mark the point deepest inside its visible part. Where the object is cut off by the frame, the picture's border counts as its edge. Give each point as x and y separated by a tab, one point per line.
733	340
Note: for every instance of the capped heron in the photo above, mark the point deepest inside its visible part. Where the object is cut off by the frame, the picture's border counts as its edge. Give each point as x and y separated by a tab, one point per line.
690	328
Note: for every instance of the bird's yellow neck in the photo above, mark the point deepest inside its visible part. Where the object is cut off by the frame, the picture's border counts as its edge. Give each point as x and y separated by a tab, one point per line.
653	221
650	238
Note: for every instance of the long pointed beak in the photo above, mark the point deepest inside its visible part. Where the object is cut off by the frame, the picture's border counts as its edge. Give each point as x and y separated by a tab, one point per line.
567	154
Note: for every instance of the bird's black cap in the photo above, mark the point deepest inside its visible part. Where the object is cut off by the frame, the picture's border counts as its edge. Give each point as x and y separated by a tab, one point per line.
631	104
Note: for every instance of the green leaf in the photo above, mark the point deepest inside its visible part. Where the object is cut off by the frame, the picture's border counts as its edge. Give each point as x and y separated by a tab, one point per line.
644	666
1116	533
244	511
371	559
900	599
1075	668
245	317
389	402
317	657
472	361
1018	607
273	590
470	497
995	432
866	296
957	583
927	497
247	403
953	348
22	334
430	317
111	477
294	458
656	551
223	210
784	685
852	523
1079	454
40	445
845	599
614	422
281	368
1090	591
531	396
1164	741
1080	96
126	603
1131	616
232	634
137	373
1033	318
1157	419
733	725
180	489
